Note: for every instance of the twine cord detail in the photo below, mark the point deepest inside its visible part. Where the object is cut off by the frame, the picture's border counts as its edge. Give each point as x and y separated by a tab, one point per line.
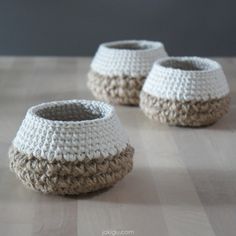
70	177
117	89
184	113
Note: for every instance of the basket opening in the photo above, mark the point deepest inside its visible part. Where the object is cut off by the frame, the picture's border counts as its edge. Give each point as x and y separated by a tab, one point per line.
130	46
188	64
71	112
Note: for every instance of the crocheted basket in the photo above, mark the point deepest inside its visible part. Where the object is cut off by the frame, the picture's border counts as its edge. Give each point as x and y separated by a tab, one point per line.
119	69
71	147
185	91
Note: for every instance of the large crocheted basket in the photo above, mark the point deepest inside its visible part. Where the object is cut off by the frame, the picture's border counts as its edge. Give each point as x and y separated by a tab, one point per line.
71	147
185	91
119	69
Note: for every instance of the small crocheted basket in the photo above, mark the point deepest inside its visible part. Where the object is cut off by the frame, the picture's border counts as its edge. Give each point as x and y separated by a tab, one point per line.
185	91
71	147
119	69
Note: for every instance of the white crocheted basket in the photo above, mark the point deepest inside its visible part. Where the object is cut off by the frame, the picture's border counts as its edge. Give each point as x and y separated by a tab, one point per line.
188	91
70	147
119	69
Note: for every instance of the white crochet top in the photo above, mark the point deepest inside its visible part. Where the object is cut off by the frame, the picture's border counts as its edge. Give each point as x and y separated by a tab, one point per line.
186	78
127	58
71	130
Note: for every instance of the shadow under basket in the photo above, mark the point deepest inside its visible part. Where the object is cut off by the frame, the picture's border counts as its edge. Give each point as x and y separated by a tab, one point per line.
185	91
120	68
71	147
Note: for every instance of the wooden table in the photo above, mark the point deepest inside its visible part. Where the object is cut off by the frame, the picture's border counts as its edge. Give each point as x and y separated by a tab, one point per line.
183	182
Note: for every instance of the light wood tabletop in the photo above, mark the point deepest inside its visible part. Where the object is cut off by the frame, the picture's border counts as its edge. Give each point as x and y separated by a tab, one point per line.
183	181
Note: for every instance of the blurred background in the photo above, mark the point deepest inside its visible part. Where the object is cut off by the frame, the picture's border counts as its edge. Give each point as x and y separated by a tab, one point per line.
77	27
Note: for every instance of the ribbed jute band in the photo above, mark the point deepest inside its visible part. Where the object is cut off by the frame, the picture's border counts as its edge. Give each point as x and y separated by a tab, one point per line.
70	177
184	113
116	89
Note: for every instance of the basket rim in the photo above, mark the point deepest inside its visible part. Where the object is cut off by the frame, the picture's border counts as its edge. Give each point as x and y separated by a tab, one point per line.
108	112
152	45
212	65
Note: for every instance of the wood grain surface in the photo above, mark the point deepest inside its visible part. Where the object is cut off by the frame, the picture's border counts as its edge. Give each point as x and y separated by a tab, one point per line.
183	182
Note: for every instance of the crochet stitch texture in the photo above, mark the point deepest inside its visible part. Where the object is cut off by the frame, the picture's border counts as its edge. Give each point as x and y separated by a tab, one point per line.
187	91
119	69
71	130
71	147
70	177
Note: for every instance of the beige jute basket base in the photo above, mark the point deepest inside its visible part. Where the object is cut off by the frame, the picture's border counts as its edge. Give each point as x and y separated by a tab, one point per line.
184	113
116	90
70	177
